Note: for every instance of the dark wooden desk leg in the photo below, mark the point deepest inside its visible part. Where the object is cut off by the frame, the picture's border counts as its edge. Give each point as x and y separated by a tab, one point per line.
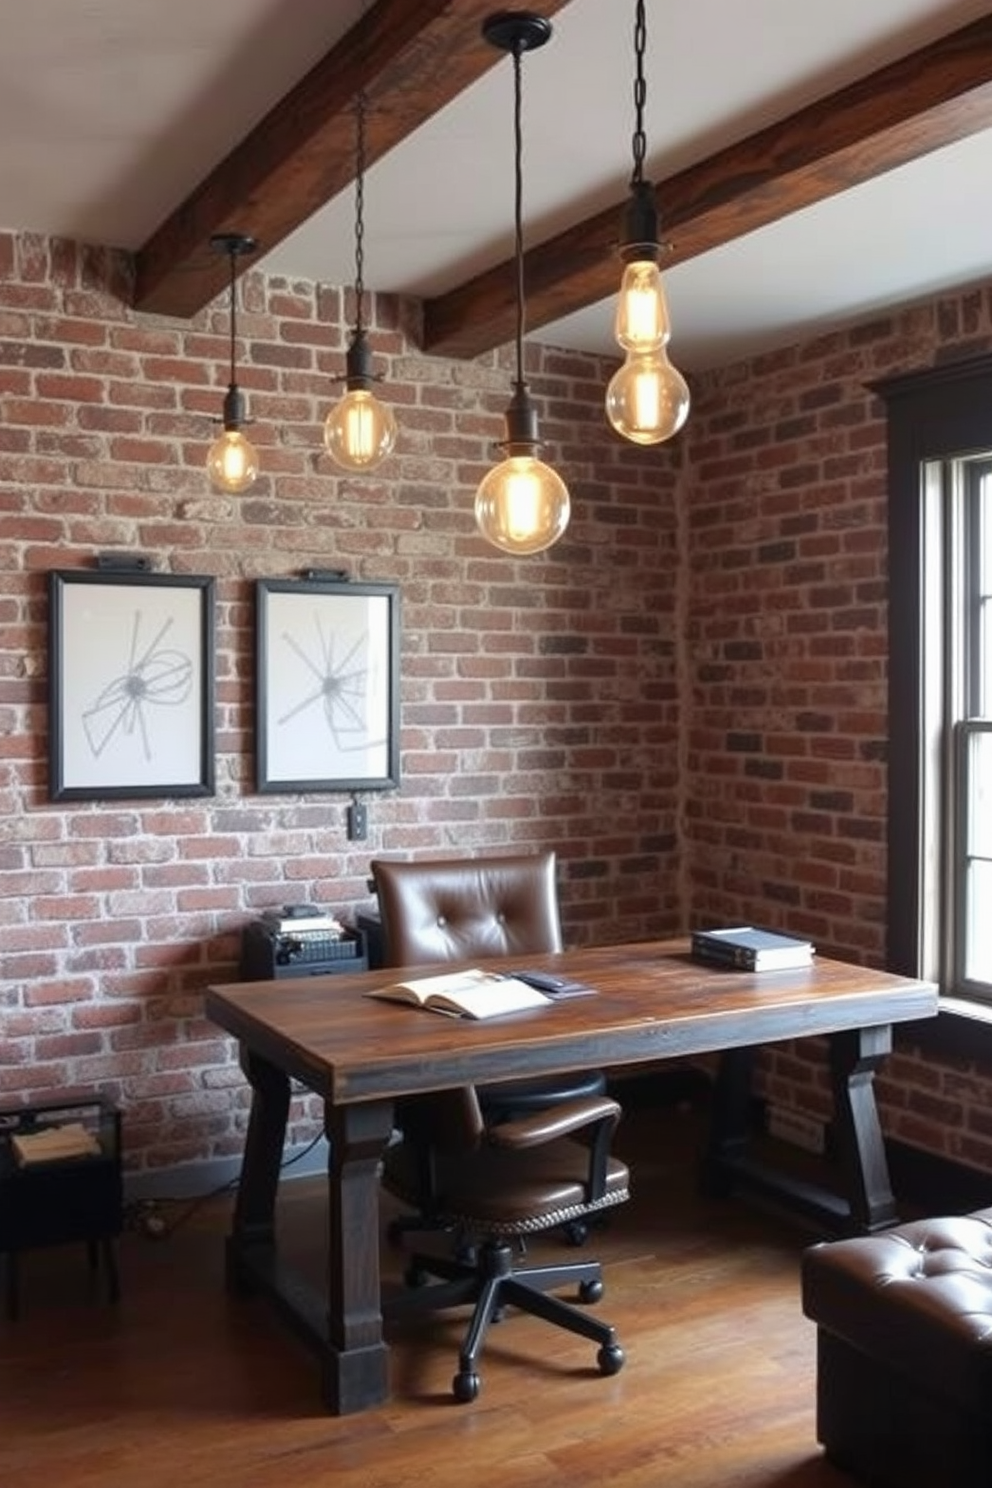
109	1247
356	1363
254	1210
730	1122
855	1055
13	1289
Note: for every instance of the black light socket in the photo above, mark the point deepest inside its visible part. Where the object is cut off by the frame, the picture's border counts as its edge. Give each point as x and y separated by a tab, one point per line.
234	408
640	240
358	363
521	423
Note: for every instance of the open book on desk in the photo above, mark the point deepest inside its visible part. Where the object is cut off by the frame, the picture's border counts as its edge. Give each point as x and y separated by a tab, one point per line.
465	994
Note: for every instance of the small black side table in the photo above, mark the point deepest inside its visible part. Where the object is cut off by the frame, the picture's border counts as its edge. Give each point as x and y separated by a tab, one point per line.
65	1200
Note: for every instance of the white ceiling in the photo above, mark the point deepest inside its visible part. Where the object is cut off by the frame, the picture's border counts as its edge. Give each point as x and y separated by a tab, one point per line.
112	110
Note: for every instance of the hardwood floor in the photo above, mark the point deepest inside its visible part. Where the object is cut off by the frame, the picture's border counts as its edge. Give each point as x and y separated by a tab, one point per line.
180	1386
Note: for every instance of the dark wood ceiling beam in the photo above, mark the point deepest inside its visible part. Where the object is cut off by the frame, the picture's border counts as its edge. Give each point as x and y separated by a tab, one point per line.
934	96
411	56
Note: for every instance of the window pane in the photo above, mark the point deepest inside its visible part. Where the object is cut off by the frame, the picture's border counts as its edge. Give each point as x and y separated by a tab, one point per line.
979	804
985	548
977	783
978	924
982	638
985	653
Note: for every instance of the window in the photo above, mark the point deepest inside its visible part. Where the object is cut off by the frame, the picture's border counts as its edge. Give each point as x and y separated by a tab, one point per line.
970	835
940	677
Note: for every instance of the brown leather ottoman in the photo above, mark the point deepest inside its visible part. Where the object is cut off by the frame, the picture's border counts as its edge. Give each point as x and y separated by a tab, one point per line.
904	1352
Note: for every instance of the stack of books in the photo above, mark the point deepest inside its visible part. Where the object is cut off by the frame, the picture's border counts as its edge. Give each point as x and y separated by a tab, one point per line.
53	1144
303	919
745	948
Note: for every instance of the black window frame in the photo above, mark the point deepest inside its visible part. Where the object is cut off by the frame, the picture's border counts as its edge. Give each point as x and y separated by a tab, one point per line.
938	414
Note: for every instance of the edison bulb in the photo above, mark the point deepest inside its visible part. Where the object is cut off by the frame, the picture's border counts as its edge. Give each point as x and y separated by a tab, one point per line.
522	505
232	462
647	400
641	320
359	431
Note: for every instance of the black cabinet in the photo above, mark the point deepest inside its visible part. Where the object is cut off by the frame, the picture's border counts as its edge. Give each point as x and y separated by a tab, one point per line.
62	1200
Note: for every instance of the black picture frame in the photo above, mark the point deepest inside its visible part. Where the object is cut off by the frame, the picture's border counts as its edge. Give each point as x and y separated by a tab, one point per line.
130	685
327	685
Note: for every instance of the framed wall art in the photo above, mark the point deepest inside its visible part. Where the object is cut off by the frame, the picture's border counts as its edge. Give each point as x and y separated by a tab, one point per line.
130	685
327	675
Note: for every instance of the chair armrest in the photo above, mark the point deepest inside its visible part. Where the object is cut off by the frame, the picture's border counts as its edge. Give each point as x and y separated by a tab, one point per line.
594	1118
555	1121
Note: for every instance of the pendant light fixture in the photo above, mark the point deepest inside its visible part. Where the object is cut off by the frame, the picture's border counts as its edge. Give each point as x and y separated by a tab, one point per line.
359	432
647	400
522	505
232	460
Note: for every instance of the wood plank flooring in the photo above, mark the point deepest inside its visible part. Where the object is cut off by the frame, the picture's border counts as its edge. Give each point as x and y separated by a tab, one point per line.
181	1386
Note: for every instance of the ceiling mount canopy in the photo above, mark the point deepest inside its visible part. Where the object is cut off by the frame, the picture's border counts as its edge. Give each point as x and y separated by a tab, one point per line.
516	30
232	460
522	505
647	400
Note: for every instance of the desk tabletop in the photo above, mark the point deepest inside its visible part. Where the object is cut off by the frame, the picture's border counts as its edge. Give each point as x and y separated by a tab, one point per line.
653	1002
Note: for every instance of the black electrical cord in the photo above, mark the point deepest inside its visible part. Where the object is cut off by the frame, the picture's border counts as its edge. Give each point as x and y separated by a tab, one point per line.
146	1215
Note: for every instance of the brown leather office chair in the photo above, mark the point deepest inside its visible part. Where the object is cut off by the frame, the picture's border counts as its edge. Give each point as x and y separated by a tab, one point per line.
495	1184
465	909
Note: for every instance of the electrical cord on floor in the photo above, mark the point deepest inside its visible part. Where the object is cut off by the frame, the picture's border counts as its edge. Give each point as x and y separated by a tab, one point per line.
146	1216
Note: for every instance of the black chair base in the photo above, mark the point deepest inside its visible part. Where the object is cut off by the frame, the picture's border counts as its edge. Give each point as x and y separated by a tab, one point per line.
486	1278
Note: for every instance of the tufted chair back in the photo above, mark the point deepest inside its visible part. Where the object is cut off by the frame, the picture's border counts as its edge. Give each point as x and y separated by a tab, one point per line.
459	909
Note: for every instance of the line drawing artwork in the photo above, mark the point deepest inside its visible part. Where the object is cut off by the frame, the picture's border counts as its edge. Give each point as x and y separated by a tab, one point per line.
154	676
341	690
327	683
131	679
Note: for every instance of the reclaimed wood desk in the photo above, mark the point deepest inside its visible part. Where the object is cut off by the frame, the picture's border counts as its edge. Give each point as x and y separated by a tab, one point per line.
360	1055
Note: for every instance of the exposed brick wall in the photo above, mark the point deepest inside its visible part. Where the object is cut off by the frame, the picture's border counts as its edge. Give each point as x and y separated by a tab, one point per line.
538	699
786	809
788	644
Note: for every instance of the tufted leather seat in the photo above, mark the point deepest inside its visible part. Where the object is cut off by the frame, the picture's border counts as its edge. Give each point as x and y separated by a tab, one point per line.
904	1352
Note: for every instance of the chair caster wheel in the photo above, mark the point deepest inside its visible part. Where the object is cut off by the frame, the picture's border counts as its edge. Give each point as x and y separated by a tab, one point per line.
415	1276
590	1291
465	1386
576	1232
610	1358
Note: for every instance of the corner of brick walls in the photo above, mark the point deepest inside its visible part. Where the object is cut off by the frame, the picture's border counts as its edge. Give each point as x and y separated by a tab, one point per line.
784	818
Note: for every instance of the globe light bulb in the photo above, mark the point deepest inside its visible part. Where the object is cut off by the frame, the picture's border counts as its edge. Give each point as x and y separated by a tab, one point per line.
359	431
522	505
647	400
232	462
